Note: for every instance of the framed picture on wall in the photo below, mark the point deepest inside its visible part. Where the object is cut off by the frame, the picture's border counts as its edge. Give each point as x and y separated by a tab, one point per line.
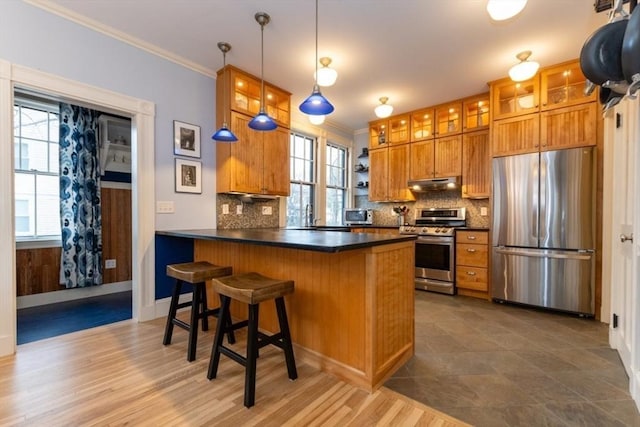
188	176
186	139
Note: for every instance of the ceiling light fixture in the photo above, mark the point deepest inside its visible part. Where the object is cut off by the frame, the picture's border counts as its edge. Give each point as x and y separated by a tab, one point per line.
262	121
326	76
316	104
500	10
316	120
525	69
224	134
383	110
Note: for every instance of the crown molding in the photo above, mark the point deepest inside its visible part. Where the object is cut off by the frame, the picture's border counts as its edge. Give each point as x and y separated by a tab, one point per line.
119	35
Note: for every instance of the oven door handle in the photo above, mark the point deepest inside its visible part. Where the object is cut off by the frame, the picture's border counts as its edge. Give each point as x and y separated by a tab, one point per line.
435	240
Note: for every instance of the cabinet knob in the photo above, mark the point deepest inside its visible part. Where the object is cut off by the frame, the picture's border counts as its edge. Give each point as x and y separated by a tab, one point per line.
471	250
471	237
471	273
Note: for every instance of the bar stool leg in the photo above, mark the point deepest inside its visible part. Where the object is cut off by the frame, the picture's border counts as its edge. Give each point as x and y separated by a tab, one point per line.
286	338
217	340
204	307
252	355
173	308
196	304
231	336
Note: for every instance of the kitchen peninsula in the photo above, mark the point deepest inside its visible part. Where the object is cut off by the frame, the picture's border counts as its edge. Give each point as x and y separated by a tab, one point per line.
352	312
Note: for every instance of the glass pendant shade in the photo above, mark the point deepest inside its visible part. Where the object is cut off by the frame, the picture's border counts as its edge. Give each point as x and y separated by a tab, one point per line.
326	76
525	69
262	122
317	120
499	10
383	110
316	104
224	134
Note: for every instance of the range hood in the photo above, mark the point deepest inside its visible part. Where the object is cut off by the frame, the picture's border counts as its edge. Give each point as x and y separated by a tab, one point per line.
434	184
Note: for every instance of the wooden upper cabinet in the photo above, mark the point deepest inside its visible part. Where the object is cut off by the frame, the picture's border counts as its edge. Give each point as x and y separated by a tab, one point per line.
449	119
378	174
563	85
422	160
569	127
516	135
476	165
475	113
378	134
399	174
244	92
398	131
509	99
423	124
276	175
448	156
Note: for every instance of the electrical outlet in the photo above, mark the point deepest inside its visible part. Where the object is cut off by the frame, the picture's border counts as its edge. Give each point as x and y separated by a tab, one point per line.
165	207
266	210
110	263
239	209
225	209
483	211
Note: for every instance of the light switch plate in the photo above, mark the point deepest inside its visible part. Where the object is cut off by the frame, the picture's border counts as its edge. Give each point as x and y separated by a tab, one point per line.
165	207
483	211
110	263
266	210
225	209
239	209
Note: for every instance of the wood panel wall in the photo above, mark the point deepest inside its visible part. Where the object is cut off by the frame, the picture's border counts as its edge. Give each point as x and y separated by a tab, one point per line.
38	270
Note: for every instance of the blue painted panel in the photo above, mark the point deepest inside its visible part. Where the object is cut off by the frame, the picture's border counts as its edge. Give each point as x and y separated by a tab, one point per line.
170	250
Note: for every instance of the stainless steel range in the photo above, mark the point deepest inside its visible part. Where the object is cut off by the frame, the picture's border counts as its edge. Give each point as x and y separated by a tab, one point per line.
435	247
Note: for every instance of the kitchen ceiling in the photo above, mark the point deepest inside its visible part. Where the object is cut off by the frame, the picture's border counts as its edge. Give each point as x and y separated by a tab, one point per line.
416	52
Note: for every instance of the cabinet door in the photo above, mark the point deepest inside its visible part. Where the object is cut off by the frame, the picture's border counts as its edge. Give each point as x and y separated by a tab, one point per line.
379	174
378	134
449	119
246	156
277	104
399	129
516	135
399	173
473	278
448	156
422	124
476	165
514	99
472	255
245	93
475	113
569	127
562	86
276	178
422	159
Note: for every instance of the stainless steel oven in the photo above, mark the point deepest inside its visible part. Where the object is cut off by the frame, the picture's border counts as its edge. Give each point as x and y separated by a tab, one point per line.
435	248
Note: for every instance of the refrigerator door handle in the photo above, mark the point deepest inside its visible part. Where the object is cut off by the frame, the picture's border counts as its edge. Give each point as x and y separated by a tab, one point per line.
585	256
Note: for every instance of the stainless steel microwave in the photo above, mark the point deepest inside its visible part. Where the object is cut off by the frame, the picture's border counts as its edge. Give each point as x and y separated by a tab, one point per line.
358	216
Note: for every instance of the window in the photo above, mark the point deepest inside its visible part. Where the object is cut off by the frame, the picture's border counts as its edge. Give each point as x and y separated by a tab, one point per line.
37	205
303	180
336	183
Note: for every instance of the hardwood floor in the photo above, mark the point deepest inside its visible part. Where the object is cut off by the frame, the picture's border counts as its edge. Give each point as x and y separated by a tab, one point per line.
122	374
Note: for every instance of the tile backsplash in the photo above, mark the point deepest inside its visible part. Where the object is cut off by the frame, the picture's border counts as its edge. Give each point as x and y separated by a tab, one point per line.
383	212
251	217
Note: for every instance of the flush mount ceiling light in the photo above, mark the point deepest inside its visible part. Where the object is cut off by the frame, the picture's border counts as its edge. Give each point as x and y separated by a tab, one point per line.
262	121
499	10
525	69
224	134
383	110
316	104
326	76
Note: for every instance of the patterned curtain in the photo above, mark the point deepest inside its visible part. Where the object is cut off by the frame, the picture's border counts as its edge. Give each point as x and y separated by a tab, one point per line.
80	197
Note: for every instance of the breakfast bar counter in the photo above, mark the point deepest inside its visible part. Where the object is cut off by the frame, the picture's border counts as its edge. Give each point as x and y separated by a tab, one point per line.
352	312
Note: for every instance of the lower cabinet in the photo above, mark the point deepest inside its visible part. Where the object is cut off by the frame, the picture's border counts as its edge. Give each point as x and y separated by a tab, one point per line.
472	263
376	230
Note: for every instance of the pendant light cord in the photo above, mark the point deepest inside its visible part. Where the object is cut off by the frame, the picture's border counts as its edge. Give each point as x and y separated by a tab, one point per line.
262	67
224	84
316	74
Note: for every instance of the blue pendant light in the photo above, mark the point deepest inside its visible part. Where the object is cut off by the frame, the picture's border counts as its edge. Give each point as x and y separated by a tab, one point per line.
224	134
316	104
262	121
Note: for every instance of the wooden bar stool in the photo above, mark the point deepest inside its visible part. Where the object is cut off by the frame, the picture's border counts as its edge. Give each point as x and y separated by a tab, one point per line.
196	274
252	289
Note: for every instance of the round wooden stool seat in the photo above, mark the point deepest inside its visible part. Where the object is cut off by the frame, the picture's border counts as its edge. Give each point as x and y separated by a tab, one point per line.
197	272
252	288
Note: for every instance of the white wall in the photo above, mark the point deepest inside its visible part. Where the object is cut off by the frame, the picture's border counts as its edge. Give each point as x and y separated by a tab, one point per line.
38	39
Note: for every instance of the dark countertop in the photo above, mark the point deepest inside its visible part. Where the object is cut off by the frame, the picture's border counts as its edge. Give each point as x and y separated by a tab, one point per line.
311	240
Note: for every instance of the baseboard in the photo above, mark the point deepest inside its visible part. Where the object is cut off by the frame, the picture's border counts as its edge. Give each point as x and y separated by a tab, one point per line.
71	294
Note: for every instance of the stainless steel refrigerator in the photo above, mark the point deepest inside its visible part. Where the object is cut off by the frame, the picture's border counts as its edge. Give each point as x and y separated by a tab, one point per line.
544	220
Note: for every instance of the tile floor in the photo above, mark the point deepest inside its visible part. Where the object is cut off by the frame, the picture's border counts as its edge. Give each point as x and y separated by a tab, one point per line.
501	365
